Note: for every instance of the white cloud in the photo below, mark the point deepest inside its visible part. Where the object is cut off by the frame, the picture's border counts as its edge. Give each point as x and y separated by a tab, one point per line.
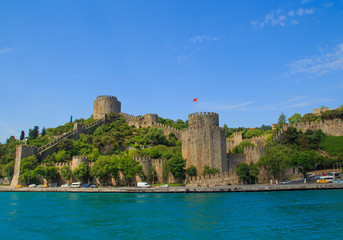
282	18
200	39
329	61
5	50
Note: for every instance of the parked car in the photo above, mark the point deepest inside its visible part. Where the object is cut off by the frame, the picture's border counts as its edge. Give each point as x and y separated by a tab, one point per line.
86	185
64	185
143	185
93	186
53	185
32	185
326	179
164	186
338	181
39	186
286	182
19	186
75	184
45	186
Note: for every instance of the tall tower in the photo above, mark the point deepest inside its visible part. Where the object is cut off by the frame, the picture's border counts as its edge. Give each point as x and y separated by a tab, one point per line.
204	142
105	105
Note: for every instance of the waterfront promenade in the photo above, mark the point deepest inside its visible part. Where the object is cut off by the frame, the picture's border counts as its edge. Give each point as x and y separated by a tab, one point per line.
185	189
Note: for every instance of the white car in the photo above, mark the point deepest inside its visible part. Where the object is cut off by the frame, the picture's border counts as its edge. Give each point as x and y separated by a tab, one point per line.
32	185
65	185
164	186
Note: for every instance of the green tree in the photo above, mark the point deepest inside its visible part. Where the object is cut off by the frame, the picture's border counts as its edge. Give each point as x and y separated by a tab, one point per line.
8	169
176	166
254	132
43	132
51	173
209	170
100	169
296	118
61	156
290	136
129	167
113	169
282	120
29	163
155	136
307	161
66	145
22	135
277	158
309	117
152	176
191	171
33	133
66	173
248	173
239	149
81	172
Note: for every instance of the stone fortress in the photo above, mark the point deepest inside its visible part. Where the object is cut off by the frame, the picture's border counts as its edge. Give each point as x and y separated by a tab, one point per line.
203	143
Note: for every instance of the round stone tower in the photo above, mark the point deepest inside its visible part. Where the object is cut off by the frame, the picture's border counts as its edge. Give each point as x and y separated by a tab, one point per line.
204	142
105	105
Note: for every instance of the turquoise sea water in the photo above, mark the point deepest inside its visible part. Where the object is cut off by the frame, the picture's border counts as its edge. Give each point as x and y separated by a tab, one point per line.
269	215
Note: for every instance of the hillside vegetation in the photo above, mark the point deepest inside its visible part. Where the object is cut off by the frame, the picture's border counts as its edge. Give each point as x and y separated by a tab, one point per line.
113	140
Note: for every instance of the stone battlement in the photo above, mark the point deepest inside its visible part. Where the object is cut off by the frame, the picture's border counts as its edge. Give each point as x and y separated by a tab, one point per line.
202	114
58	165
320	110
161	125
107	96
80	157
332	127
218	179
203	119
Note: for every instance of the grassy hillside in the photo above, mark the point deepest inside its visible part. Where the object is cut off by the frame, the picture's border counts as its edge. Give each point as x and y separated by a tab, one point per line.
333	145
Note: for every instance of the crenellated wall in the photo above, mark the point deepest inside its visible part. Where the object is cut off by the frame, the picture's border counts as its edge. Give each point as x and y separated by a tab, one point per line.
219	179
156	164
237	138
332	127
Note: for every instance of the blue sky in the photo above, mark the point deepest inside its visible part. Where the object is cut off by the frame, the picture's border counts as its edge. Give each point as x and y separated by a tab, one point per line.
246	60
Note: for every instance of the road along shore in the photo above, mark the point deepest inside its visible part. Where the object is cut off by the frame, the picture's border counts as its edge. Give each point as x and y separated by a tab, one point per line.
185	189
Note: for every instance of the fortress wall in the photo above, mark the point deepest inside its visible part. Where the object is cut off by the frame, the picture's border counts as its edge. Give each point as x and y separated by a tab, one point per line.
219	179
204	144
234	160
22	151
168	130
157	164
237	138
253	154
258	141
332	127
132	120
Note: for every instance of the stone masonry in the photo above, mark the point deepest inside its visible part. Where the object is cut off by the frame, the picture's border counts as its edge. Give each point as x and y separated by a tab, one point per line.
203	142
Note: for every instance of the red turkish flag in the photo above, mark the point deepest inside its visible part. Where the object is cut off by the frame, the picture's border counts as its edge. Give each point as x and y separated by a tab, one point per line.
195	99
